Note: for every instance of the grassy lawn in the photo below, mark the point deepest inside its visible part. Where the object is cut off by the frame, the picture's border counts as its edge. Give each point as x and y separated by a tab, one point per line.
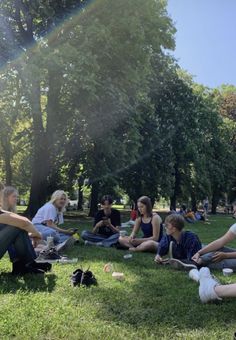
152	303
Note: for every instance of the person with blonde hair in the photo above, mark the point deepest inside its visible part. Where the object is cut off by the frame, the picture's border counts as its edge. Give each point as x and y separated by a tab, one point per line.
50	216
15	231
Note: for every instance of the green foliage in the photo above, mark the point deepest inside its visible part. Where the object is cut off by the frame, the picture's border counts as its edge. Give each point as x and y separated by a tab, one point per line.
95	87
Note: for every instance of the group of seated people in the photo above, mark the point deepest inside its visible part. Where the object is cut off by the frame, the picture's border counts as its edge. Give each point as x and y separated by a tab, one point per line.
189	215
19	236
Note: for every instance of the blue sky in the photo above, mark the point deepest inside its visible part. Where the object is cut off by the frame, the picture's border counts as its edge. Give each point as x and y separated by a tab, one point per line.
206	39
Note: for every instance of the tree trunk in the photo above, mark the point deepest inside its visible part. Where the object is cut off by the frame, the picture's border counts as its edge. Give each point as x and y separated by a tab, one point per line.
214	202
80	193
53	133
6	145
193	202
94	199
40	167
177	189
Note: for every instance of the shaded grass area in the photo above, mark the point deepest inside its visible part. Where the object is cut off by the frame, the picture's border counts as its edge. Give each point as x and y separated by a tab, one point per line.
153	302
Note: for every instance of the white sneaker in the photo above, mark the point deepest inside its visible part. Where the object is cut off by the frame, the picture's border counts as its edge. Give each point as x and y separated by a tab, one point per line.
207	286
194	275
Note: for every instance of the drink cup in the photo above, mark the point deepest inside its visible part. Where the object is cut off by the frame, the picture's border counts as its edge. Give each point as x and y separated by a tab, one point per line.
50	241
227	271
118	276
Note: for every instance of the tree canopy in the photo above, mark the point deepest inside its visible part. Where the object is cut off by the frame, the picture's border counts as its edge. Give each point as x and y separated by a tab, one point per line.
89	90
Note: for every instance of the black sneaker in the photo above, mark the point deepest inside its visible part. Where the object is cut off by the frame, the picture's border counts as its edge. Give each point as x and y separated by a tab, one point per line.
48	255
45	266
79	277
20	268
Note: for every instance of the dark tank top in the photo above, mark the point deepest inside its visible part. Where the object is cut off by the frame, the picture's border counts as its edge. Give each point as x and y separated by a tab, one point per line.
147	229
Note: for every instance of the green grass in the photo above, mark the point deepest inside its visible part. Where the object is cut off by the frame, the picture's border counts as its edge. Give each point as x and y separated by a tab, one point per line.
152	303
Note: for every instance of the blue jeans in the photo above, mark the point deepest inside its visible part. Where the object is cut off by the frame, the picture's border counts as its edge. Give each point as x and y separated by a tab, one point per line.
47	231
106	241
13	254
19	239
227	263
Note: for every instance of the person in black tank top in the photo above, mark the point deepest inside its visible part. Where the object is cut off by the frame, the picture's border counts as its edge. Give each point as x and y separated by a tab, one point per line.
150	225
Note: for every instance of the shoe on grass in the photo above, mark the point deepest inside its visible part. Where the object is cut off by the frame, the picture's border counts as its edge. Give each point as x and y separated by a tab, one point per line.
45	266
194	275
207	286
19	269
179	265
85	278
66	244
48	255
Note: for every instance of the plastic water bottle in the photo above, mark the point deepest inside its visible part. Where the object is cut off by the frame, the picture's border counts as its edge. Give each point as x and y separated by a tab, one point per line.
66	260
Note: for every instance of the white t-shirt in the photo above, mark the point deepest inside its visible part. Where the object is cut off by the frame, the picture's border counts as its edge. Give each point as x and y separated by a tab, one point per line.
233	228
48	212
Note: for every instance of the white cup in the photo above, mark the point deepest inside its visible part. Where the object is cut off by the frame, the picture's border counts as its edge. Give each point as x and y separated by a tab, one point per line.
118	276
227	271
50	241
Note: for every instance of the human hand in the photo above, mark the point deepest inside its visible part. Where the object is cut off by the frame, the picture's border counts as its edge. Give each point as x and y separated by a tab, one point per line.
134	242
35	237
158	259
35	234
196	257
219	256
71	231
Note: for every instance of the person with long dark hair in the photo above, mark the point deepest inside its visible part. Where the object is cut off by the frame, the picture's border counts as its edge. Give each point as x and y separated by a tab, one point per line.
151	226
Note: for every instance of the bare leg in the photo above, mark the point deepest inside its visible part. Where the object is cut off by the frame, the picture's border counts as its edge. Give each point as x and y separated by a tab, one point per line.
124	241
226	290
148	246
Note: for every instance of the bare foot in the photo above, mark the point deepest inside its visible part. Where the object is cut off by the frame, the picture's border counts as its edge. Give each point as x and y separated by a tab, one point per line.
132	249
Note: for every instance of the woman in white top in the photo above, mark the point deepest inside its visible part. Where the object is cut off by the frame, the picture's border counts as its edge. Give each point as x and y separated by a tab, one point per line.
50	216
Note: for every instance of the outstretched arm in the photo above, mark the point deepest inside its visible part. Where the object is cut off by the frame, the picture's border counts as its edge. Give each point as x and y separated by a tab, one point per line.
215	245
19	222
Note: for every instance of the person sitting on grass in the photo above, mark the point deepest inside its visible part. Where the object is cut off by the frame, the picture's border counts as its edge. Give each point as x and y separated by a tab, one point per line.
9	198
190	216
50	215
105	231
151	226
180	244
14	232
215	255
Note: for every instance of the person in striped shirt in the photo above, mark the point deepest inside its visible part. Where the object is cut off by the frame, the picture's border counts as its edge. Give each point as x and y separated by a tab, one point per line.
181	245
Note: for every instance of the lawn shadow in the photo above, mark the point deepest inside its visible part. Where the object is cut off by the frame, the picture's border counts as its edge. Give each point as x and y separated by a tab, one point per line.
151	294
172	303
28	283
